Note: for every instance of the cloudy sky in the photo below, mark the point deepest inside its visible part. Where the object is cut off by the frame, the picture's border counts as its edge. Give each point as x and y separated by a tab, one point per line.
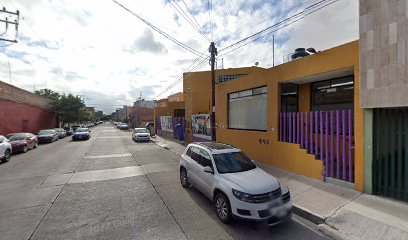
97	49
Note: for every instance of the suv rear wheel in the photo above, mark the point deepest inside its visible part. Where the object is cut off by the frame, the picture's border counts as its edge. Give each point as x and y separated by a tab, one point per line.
223	208
183	178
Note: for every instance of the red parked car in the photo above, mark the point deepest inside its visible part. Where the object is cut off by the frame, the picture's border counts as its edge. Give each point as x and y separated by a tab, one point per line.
22	142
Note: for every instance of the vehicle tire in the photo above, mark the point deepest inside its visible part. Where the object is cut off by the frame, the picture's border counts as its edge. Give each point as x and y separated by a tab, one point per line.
184	178
7	156
35	145
223	208
25	149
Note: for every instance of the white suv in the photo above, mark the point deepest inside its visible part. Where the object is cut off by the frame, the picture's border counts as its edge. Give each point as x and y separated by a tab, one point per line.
234	183
5	149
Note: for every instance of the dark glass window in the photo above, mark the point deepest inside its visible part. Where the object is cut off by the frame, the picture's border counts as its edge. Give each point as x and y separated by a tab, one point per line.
289	97
333	94
226	78
179	112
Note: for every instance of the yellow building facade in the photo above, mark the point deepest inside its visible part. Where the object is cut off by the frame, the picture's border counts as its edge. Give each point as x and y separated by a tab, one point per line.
264	143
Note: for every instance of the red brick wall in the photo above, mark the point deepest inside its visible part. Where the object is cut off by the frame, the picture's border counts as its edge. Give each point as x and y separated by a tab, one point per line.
18	117
18	95
21	110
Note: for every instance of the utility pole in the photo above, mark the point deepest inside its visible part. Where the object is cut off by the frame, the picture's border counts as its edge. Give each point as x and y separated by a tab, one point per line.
7	22
273	50
213	53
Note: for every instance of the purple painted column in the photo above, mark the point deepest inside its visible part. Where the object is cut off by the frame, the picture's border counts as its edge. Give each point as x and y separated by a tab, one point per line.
290	127
338	144
326	158
311	133
294	130
350	127
343	144
321	136
301	130
280	126
284	127
316	133
331	144
307	132
298	127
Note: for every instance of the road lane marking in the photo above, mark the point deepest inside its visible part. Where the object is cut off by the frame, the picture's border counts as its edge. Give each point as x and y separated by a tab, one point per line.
108	174
114	137
108	156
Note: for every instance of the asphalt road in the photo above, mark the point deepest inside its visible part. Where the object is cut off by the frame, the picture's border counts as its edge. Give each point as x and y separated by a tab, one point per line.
113	188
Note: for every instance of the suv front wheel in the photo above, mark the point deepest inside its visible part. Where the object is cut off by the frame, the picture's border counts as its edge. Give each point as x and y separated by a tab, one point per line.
183	178
223	208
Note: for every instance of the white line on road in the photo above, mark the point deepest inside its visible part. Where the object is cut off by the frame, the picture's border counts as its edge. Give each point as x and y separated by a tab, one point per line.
108	174
100	175
108	156
114	137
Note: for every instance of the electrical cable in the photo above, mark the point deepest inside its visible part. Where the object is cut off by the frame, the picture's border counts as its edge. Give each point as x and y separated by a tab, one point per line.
180	44
188	19
282	22
188	9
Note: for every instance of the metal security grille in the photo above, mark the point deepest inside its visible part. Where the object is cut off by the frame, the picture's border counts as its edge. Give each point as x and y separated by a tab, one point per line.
390	163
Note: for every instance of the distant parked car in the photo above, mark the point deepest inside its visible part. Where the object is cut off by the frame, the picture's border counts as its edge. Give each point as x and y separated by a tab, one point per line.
74	127
22	142
61	132
5	149
81	134
69	131
47	136
141	134
123	126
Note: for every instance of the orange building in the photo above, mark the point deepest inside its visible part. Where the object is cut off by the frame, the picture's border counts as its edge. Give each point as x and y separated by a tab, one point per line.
302	116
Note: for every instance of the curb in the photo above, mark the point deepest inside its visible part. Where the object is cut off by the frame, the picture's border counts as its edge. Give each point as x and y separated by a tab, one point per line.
333	233
310	216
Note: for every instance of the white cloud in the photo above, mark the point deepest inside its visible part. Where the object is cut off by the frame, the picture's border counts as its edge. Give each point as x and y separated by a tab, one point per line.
97	49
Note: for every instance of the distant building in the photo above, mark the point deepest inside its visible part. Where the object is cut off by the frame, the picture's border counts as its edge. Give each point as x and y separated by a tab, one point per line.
143	103
98	115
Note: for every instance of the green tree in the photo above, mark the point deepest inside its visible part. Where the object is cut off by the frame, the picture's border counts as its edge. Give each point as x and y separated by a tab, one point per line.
70	108
48	93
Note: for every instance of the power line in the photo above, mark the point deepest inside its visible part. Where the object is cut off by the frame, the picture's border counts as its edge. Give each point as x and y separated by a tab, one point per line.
187	18
188	9
308	10
189	70
195	52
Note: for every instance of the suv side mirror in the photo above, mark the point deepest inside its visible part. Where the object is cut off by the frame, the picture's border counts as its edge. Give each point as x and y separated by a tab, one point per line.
208	169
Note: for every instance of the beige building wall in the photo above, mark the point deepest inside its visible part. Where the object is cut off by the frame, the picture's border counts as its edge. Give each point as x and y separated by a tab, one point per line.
383	53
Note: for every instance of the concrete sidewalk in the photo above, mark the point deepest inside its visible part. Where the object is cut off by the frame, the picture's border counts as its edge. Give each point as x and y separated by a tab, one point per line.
341	213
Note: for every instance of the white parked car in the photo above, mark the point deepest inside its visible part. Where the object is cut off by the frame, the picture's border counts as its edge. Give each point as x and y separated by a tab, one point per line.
5	149
141	134
238	188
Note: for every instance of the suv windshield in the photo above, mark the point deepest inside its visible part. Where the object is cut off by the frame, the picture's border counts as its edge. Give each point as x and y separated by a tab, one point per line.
233	162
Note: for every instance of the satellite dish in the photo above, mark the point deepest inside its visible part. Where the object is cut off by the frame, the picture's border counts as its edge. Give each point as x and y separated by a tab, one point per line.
256	64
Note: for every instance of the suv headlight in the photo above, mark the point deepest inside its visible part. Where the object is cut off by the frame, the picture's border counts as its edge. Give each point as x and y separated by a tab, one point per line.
245	197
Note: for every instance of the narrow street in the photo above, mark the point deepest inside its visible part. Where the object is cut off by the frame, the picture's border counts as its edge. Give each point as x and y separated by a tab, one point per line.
113	188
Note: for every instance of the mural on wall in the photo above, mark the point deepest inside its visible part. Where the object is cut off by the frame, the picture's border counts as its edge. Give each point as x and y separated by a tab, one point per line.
166	123
201	126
